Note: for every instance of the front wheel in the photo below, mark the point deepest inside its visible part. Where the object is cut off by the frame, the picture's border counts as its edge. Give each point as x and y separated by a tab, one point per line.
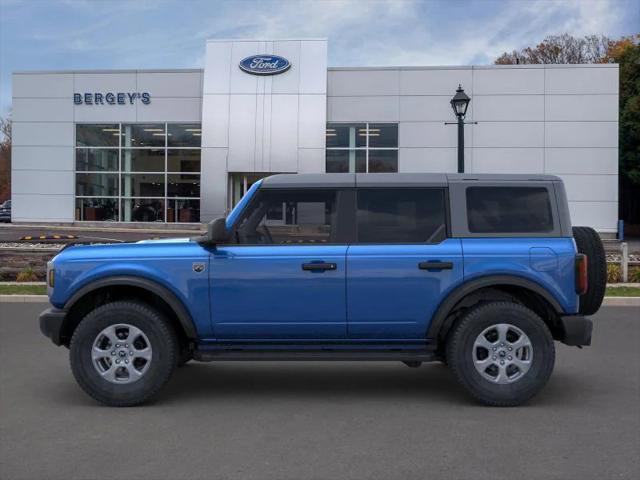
122	353
502	353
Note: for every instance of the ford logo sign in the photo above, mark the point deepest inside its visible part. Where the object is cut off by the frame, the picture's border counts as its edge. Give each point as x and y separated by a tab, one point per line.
265	64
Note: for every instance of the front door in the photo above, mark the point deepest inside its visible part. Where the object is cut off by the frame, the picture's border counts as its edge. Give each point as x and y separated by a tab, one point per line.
402	263
284	276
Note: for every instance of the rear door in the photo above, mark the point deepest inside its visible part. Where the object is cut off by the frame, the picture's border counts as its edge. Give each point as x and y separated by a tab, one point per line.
402	263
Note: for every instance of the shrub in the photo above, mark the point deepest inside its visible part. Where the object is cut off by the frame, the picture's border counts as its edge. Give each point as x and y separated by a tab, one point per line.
614	273
634	274
27	275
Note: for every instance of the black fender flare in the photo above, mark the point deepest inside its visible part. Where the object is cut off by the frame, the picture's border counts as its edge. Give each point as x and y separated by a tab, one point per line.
183	315
439	319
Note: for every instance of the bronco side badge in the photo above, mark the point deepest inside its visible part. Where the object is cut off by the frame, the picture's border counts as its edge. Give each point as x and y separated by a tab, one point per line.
198	267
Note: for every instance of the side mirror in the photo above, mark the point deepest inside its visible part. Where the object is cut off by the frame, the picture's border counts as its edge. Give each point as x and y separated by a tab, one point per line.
217	231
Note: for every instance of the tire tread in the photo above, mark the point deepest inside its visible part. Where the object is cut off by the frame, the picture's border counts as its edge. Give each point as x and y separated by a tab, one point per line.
456	338
164	330
588	242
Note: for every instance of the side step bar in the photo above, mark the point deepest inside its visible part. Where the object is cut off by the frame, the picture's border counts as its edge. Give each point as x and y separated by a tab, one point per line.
311	355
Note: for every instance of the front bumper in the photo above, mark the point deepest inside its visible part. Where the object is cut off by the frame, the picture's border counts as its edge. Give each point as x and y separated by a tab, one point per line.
51	321
576	330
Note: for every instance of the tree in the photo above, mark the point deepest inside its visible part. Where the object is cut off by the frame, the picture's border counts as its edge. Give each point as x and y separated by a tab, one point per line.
626	52
600	49
5	159
563	48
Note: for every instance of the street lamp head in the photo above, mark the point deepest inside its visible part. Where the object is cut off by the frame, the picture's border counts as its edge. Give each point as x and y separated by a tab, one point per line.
460	102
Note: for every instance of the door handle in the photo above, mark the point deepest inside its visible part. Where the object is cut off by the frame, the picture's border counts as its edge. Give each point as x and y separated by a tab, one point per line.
319	267
435	265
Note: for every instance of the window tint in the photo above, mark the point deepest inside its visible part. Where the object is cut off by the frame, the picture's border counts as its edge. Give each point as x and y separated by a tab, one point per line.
345	161
289	217
381	161
384	135
403	215
97	159
509	210
96	185
184	135
346	135
96	209
144	135
102	135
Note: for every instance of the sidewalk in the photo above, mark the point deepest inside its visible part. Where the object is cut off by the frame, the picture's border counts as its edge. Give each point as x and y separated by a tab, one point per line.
135	227
12	233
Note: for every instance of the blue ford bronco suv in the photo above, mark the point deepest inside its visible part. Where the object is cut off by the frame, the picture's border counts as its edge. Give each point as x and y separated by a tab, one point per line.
481	272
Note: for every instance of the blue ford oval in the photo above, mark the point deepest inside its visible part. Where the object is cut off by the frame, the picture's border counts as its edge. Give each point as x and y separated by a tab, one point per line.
265	64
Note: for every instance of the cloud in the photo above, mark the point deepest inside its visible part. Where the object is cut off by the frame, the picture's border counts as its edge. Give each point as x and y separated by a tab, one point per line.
172	33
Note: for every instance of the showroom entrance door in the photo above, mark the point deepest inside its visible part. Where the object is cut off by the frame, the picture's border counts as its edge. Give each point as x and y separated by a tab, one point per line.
239	184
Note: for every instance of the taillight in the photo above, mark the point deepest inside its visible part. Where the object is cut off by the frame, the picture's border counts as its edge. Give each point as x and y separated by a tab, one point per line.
582	277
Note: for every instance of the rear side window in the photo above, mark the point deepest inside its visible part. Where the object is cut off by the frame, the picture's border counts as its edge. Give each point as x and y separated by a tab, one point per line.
403	215
509	210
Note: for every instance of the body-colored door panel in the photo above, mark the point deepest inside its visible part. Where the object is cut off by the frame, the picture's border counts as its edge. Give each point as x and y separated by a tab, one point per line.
389	296
276	293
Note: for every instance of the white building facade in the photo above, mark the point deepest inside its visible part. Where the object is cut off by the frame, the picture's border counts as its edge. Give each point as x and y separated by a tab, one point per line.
182	146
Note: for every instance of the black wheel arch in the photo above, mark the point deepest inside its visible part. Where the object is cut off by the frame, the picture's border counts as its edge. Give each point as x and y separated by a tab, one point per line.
153	288
442	320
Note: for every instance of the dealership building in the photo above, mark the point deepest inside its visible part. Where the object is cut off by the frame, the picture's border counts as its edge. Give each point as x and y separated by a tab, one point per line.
182	146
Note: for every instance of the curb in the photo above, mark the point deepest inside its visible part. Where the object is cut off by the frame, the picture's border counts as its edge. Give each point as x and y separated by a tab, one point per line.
621	302
608	301
24	299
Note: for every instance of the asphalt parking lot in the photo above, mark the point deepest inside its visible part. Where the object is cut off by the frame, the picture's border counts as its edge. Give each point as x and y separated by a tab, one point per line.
321	420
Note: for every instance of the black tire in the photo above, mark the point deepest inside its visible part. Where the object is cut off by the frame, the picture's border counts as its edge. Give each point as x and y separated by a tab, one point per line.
588	242
460	351
164	353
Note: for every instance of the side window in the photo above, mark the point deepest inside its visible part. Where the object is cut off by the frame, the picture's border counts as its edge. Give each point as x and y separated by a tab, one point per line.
509	210
280	217
401	215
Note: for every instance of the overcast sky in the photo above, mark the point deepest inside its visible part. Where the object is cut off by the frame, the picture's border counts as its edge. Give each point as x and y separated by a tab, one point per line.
98	34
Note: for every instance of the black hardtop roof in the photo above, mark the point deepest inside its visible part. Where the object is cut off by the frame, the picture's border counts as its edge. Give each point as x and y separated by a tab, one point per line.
336	180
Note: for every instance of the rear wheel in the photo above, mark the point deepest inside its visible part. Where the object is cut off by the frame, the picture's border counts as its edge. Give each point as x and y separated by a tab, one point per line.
588	242
123	353
502	353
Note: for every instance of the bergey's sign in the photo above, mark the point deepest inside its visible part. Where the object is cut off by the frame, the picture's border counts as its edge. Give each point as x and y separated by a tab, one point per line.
265	64
110	98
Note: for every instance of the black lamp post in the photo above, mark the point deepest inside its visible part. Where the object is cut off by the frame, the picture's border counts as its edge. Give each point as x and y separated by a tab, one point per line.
460	103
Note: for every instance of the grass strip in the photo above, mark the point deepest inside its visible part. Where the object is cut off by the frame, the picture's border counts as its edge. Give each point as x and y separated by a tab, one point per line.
18	289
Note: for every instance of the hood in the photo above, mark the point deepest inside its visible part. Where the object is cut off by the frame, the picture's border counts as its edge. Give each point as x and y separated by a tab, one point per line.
165	240
164	247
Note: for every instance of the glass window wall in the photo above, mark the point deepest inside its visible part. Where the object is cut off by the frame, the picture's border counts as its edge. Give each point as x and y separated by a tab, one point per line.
138	172
362	147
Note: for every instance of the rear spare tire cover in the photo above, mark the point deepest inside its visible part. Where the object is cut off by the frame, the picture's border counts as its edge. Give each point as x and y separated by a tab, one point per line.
588	242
